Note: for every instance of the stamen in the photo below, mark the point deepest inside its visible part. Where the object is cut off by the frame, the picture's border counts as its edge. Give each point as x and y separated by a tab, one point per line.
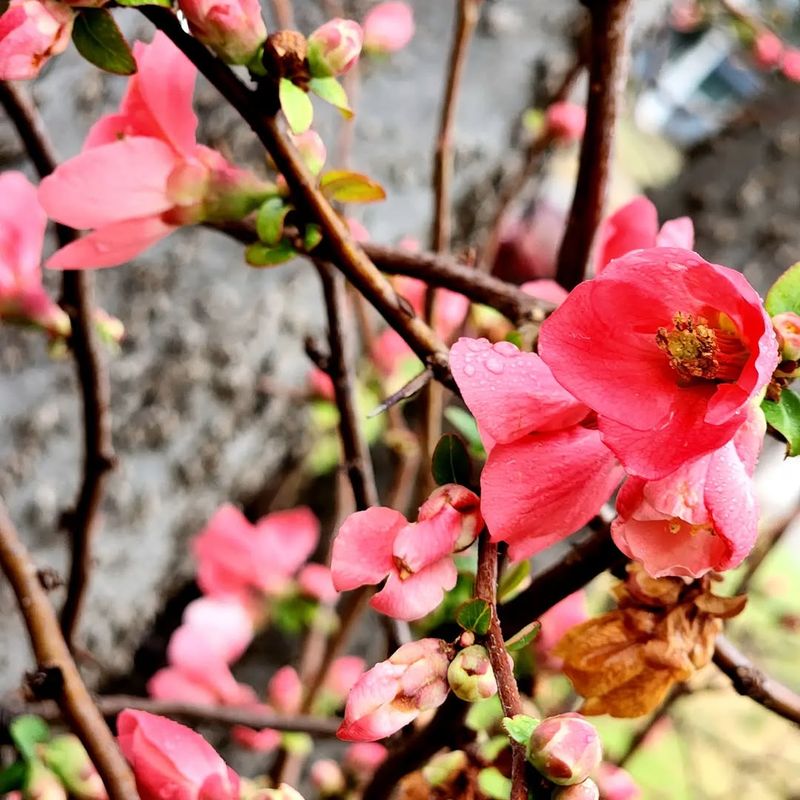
403	569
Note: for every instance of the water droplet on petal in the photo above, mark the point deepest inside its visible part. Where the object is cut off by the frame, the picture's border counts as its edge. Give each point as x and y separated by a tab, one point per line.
505	349
469	370
494	365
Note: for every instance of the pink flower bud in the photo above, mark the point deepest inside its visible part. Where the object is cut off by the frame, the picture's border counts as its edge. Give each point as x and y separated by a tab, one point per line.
327	777
396	691
264	741
110	329
565	749
342	676
67	758
565	121
791	65
363	758
465	502
320	384
31	31
312	150
233	29
388	27
42	784
470	674
767	50
616	783
285	692
334	47
587	790
787	326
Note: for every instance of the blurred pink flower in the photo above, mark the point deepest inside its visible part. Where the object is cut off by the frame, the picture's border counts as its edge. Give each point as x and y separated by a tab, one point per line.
388	27
315	580
767	49
565	121
616	783
285	691
334	47
31	31
321	384
791	64
568	613
363	758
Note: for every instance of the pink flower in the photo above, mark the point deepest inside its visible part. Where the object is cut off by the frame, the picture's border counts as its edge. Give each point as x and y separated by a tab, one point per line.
566	614
791	64
767	49
141	173
315	580
285	691
787	326
30	32
668	349
616	783
342	676
334	47
233	29
548	472
363	758
239	560
415	558
547	290
396	691
264	741
634	226
320	384
169	760
565	121
22	227
702	517
388	27
566	749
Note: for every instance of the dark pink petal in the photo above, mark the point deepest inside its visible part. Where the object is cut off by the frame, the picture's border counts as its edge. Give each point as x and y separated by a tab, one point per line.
284	540
631	227
264	741
417	595
547	290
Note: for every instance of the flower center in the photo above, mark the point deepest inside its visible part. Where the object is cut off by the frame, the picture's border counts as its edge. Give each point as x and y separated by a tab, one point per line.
696	349
403	569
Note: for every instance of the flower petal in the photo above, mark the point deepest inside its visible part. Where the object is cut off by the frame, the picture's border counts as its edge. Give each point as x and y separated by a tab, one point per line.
417	595
631	227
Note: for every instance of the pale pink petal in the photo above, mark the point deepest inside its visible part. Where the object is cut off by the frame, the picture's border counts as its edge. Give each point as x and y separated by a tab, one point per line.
362	550
224	622
22	226
222	550
111	245
547	290
174	684
676	233
316	581
509	392
285	691
388	27
284	540
634	226
108	129
417	595
423	543
264	741
343	674
364	758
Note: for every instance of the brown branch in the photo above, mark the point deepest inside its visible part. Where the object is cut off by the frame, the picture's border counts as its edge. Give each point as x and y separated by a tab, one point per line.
197	713
77	300
53	659
750	681
259	111
284	14
486	589
607	73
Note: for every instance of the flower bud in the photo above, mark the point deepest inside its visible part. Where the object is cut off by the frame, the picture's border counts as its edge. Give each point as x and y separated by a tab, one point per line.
767	50
465	502
42	784
363	758
791	65
233	29
312	150
283	792
67	758
334	47
471	676
787	326
445	767
285	691
388	27
327	777
110	329
587	790
565	749
617	783
565	121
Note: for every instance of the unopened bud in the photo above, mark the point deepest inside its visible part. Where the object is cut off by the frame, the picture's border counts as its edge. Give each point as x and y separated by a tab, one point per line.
787	326
468	505
580	791
471	676
109	329
233	29
327	777
68	759
388	27
42	784
565	121
312	150
334	47
767	50
565	749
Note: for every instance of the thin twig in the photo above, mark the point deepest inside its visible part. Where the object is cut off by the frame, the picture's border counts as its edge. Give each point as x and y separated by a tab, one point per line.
750	681
607	74
486	589
77	299
54	660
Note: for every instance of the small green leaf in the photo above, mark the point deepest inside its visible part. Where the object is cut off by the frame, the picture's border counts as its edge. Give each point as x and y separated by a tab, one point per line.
520	727
515	337
785	293
784	417
484	714
350	187
476	615
299	744
270	220
262	255
331	91
135	3
514	581
465	424
296	106
450	462
494	784
524	637
312	236
13	777
99	40
28	731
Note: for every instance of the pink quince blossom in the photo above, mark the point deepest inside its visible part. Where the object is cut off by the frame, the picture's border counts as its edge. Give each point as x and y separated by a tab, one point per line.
285	691
767	49
240	560
388	27
31	31
566	614
233	29
141	173
363	758
790	66
668	349
634	226
22	227
616	783
548	471
415	558
170	760
334	47
565	121
315	580
702	517
396	691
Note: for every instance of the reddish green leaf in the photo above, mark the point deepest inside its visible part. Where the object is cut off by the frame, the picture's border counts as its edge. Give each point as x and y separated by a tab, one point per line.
350	187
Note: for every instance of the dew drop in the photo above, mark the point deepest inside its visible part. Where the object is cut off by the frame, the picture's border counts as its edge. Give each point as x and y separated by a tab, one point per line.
469	370
494	365
505	349
476	345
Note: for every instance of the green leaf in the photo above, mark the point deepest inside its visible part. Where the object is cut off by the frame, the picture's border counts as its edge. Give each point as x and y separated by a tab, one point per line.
331	91
784	417
785	293
514	581
520	727
299	744
270	220
99	40
13	777
476	615
28	731
484	714
262	255
450	462
350	187
465	424
296	106
135	3
494	784
524	637
312	236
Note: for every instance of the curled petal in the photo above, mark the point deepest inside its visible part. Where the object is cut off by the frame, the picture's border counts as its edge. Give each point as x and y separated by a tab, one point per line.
417	595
